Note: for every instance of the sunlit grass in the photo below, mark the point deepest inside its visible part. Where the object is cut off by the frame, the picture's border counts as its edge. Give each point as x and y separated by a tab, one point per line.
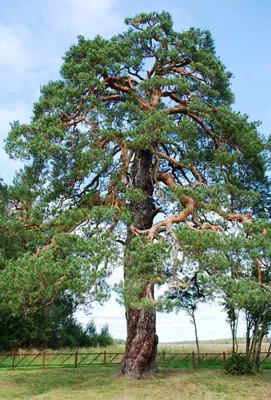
103	383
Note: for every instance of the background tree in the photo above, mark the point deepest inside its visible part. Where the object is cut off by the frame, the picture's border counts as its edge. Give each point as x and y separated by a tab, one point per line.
245	289
53	327
235	257
254	304
251	294
232	318
105	339
137	125
188	298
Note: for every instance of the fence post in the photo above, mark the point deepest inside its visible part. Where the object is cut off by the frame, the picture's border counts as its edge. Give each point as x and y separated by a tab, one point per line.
43	359
224	356
76	359
13	360
193	359
164	360
105	358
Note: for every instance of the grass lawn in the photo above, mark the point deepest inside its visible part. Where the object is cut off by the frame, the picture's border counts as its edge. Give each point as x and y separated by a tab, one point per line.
103	383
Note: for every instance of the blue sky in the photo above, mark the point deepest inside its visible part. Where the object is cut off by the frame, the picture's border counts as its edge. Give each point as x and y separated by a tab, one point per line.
34	34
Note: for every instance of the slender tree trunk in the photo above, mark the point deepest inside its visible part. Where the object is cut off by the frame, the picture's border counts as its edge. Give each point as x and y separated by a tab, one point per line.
235	331
196	334
141	343
256	338
258	351
248	338
233	326
233	337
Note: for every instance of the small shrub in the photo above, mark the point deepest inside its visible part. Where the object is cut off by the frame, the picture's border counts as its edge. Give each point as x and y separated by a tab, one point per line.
238	364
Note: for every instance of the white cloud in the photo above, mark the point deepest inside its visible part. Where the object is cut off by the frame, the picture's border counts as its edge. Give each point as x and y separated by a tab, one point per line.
83	17
18	59
13	52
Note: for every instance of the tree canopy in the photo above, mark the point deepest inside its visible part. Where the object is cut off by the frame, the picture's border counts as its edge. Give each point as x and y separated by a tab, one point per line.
136	145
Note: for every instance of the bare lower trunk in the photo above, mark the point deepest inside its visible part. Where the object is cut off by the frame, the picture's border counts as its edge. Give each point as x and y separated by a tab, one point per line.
141	343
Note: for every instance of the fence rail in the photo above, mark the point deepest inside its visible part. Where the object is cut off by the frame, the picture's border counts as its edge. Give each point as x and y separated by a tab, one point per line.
164	359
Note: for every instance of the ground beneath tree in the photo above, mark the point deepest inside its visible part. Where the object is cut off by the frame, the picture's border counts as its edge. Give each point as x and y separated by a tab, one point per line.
102	383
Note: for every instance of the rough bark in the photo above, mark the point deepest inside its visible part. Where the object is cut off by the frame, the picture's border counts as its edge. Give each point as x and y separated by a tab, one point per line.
141	344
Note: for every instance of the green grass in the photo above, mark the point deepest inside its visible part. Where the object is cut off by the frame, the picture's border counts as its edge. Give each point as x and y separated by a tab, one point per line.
103	383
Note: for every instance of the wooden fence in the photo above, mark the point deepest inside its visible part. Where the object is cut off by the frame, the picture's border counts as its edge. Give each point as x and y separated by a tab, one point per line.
165	360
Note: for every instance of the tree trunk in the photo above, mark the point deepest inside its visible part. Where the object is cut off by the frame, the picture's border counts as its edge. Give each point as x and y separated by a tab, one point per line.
141	343
233	319
248	338
196	334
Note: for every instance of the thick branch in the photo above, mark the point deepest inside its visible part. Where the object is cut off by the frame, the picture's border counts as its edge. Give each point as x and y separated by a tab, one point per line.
187	201
179	165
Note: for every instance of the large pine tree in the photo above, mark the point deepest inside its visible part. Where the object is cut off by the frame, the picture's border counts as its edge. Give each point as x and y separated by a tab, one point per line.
137	138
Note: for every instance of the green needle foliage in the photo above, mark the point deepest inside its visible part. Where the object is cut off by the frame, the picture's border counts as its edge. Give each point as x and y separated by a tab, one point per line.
137	125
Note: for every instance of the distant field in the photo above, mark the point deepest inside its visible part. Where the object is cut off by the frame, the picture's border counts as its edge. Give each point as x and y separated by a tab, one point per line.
205	347
102	383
